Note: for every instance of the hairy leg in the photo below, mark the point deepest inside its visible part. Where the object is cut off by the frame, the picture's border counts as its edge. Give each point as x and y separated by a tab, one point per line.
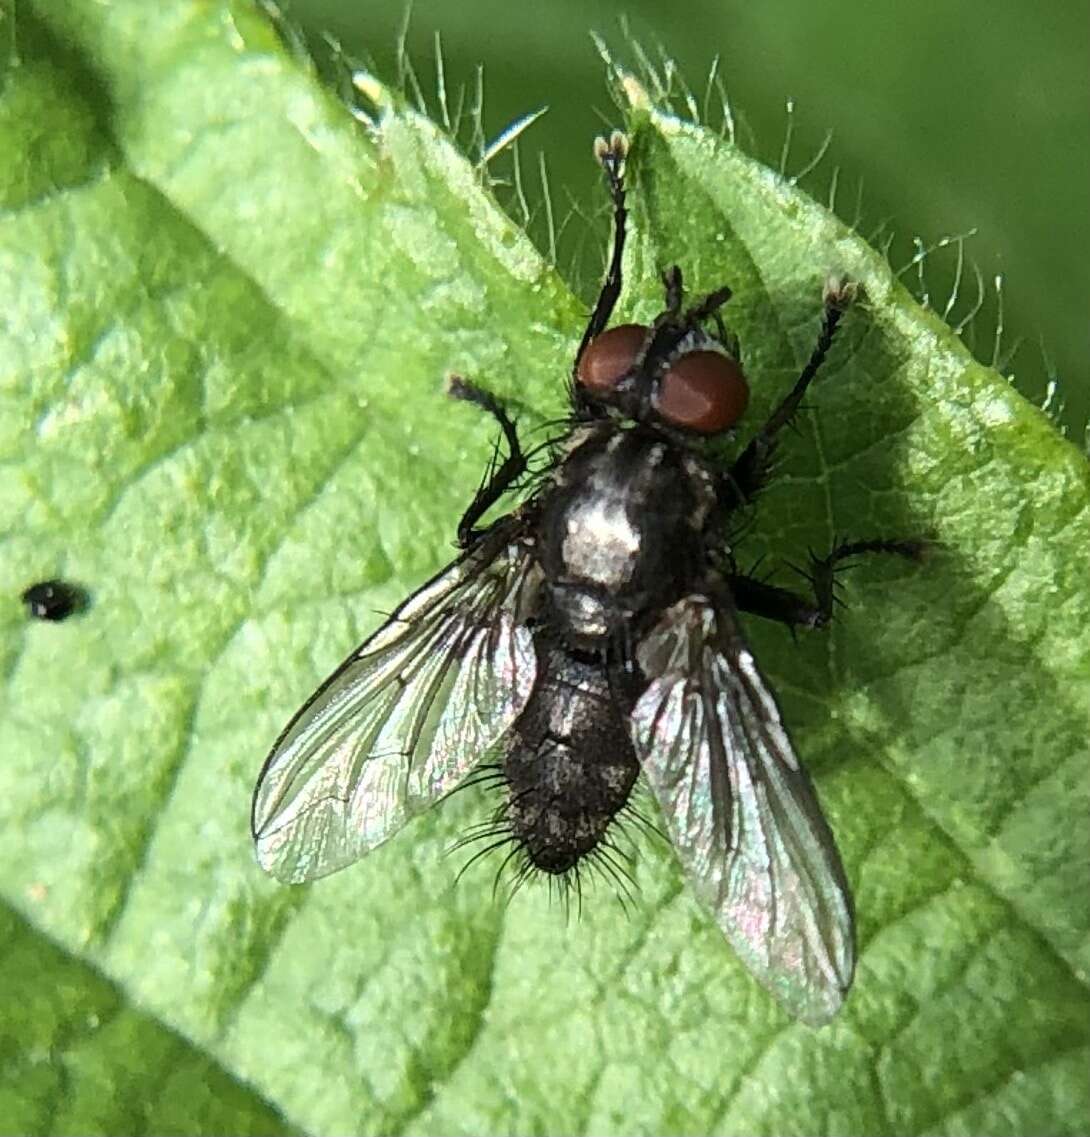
611	156
498	478
750	469
798	611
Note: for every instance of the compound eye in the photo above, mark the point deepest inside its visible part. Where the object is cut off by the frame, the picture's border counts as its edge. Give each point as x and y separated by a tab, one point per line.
704	391
610	356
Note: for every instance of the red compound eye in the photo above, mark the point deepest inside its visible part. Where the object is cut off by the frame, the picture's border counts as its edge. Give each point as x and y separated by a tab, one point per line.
704	391
610	357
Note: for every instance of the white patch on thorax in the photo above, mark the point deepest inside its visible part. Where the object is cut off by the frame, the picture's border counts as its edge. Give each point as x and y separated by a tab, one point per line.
600	544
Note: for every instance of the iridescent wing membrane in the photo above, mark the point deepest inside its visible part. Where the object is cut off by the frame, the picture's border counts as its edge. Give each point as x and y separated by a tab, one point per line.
404	718
740	811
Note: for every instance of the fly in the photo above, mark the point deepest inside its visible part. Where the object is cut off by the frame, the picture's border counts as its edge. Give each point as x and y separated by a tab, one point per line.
54	600
591	635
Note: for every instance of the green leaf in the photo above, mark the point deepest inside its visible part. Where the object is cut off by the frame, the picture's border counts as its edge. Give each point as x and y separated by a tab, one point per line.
79	1058
227	312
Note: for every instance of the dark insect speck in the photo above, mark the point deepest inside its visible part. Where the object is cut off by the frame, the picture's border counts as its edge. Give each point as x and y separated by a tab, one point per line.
589	638
54	600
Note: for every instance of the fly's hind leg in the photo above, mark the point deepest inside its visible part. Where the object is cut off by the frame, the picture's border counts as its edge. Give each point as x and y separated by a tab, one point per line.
499	478
798	611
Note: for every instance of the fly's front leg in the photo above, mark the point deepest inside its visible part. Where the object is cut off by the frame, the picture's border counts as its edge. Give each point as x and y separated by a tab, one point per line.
611	156
750	469
798	611
498	479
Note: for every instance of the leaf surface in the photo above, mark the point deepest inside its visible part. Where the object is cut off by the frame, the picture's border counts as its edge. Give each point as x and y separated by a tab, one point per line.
227	312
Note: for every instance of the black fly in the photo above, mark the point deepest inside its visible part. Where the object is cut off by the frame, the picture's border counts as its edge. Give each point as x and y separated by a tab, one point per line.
589	636
54	600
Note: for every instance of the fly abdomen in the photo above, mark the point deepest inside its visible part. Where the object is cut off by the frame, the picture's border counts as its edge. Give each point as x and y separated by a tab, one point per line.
570	765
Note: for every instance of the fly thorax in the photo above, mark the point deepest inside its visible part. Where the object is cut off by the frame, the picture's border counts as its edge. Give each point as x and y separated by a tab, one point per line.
621	532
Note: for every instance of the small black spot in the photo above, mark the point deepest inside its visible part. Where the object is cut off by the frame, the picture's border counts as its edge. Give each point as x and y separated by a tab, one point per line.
54	600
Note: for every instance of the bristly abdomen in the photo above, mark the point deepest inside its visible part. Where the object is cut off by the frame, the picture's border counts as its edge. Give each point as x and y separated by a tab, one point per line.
570	766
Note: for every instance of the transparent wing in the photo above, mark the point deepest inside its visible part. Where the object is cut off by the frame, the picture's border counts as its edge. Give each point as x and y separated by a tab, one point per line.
739	809
404	718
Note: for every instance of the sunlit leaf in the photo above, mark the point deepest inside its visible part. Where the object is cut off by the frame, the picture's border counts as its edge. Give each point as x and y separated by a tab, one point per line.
227	309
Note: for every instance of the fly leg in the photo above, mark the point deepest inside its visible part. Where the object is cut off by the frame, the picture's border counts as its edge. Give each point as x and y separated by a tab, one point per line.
750	470
611	156
708	309
673	325
498	479
798	611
